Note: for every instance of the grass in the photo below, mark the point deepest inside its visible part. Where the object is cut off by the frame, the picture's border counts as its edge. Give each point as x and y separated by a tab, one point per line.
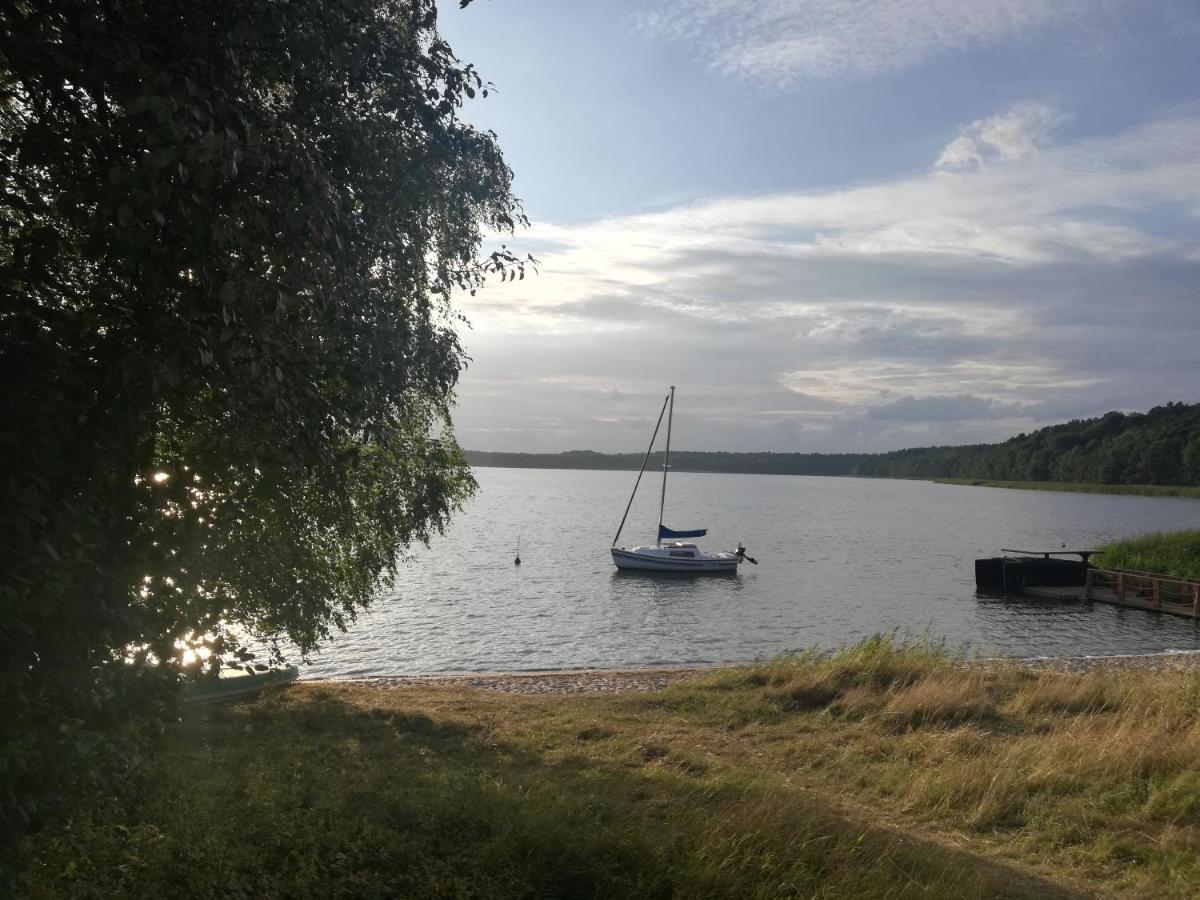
886	770
1148	490
1174	553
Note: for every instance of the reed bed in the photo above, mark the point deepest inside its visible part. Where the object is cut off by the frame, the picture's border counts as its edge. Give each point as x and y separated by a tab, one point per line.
1083	487
1174	553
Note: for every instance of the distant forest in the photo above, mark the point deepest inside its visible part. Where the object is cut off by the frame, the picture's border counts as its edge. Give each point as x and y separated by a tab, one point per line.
681	461
1158	447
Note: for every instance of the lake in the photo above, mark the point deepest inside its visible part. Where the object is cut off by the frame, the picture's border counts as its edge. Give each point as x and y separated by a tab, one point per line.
840	559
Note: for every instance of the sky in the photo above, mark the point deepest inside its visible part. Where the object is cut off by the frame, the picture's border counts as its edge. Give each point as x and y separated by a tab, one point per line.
834	225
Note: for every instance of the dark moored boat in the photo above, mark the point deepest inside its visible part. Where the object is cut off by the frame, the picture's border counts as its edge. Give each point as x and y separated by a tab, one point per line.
1033	568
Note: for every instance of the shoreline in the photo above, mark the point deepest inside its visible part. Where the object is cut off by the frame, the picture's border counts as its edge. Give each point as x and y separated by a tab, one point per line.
542	681
1183	492
641	679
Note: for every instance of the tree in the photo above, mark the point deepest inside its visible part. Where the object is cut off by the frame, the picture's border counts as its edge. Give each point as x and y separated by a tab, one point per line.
229	232
1190	461
1158	447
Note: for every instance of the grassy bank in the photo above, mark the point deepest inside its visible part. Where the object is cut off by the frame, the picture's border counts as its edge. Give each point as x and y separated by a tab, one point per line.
1147	490
884	771
1175	553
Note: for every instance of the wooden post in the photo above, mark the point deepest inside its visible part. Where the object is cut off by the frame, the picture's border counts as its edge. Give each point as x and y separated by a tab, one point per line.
1196	602
1156	592
1121	586
1087	584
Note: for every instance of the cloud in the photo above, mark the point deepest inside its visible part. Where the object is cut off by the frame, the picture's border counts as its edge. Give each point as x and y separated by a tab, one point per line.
960	408
786	41
1017	134
1051	281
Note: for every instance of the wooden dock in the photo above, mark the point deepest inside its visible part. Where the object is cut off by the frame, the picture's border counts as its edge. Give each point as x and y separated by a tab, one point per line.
1135	590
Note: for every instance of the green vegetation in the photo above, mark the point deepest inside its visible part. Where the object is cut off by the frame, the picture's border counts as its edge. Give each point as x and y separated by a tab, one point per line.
1176	553
1158	448
884	771
1075	487
1161	447
230	232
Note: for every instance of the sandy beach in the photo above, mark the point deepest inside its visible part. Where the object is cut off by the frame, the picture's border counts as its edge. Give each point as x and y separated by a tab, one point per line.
592	681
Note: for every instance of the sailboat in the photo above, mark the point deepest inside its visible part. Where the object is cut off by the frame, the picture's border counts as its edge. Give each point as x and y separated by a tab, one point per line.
671	552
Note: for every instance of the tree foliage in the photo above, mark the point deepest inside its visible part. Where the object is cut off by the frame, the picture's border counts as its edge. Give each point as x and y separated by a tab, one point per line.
228	236
1161	446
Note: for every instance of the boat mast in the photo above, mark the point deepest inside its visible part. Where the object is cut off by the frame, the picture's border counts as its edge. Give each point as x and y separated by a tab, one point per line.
666	465
641	471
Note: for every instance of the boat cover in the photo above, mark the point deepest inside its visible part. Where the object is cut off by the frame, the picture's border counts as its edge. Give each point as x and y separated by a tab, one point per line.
665	532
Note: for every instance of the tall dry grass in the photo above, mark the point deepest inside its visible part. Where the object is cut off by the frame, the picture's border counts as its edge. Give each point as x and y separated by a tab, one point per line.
1097	771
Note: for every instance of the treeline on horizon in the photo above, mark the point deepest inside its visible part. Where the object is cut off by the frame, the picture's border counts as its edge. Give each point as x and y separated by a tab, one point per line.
681	461
1161	446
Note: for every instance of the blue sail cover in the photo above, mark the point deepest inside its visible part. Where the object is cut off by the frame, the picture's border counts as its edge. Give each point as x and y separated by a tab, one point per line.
664	532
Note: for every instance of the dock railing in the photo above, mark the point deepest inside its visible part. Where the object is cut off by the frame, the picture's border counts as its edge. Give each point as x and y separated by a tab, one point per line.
1146	586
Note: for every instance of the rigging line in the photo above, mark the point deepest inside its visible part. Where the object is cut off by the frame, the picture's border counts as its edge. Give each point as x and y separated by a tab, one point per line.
645	460
666	465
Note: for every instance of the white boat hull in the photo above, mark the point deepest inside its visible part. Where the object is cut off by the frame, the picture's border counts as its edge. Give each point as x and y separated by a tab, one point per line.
660	559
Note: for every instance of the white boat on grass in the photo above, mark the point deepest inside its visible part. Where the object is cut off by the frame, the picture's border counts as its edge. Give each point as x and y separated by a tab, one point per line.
670	553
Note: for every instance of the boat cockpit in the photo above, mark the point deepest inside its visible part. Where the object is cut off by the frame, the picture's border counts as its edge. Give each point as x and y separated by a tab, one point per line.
676	548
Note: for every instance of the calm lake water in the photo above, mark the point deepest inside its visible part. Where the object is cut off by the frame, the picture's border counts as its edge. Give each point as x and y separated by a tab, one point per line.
840	559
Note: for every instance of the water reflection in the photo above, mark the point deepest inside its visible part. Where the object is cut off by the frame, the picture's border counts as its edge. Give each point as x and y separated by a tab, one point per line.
668	586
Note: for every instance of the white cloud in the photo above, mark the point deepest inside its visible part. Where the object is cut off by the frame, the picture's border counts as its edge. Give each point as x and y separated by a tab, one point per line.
1016	134
1068	200
783	41
1032	285
943	408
